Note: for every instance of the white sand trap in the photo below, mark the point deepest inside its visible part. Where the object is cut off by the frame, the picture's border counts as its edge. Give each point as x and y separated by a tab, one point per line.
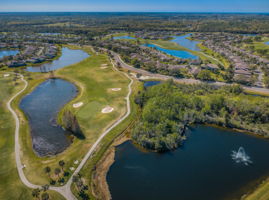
103	66
107	109
6	75
116	89
76	162
76	105
72	168
133	74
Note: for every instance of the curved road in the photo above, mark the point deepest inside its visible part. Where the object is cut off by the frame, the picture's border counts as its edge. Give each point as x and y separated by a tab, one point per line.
181	80
66	189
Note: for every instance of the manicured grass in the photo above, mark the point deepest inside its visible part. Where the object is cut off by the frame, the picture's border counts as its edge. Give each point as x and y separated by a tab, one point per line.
94	86
10	185
123	127
259	46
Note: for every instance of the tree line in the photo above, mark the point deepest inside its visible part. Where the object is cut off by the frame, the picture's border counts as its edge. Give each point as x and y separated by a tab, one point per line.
168	108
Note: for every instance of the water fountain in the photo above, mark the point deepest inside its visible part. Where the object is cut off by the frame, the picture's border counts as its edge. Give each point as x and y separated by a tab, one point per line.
240	156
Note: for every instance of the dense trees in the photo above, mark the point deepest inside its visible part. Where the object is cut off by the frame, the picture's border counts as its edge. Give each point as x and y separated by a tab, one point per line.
168	108
92	25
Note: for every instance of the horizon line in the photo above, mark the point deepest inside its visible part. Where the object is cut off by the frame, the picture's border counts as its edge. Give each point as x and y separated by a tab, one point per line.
207	12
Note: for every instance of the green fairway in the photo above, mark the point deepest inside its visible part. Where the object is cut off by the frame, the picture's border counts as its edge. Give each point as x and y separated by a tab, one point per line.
259	47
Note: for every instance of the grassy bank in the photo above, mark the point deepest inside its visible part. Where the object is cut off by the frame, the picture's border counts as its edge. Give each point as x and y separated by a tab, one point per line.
261	193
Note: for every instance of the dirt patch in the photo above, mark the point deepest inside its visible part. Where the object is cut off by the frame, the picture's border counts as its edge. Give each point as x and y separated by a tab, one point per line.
100	186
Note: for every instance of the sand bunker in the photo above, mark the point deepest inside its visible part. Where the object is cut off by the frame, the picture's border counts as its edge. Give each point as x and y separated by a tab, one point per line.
76	105
72	168
76	162
116	89
107	109
103	66
6	75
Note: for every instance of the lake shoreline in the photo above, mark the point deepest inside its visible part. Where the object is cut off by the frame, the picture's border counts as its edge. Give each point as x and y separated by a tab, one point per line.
103	166
99	178
39	141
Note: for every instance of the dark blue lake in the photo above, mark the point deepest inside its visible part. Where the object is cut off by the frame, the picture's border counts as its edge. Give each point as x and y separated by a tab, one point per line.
124	37
68	57
176	53
41	108
4	53
203	168
183	41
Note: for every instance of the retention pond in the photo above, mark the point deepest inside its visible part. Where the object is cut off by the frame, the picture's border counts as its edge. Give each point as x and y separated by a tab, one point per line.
212	164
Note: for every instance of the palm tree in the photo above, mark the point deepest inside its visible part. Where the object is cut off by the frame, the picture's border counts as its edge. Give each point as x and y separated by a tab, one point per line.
62	163
45	187
45	196
47	170
36	193
57	171
75	179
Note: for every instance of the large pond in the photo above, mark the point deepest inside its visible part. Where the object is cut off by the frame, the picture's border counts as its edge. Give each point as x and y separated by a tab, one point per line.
185	42
267	43
4	53
176	53
68	57
203	168
41	107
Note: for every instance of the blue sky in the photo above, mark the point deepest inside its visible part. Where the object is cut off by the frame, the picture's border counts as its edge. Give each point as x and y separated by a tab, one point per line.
136	5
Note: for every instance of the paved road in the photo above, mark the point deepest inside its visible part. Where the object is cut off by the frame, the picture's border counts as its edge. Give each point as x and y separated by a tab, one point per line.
180	80
66	189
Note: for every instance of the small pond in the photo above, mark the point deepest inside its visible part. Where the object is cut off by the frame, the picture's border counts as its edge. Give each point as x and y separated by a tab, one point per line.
41	108
151	83
4	53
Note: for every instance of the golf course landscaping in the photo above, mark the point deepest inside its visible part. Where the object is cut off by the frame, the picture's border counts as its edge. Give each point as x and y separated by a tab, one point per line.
94	85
